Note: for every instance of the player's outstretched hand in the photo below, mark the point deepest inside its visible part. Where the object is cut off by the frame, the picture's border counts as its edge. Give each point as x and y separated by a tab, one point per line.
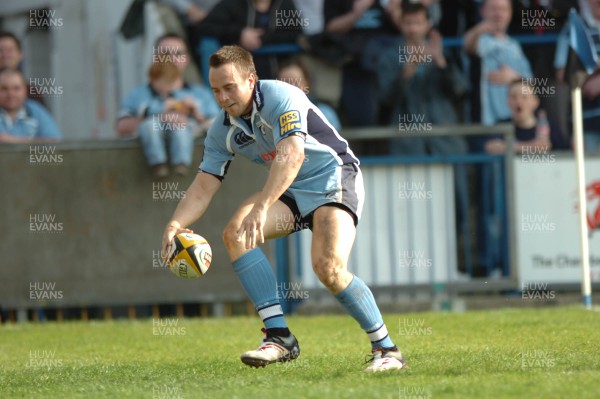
171	231
252	226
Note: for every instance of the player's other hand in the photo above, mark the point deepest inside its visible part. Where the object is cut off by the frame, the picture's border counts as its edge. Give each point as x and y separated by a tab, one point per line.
171	231
252	227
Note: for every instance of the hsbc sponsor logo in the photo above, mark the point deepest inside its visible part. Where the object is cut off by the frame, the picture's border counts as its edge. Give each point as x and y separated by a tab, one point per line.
269	156
242	139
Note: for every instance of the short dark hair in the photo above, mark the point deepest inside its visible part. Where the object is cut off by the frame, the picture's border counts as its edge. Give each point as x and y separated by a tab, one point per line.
241	58
414	8
10	35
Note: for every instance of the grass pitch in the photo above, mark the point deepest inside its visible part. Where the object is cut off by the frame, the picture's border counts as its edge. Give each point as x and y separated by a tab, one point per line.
532	353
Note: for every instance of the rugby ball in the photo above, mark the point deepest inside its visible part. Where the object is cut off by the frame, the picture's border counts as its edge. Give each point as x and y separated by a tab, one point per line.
189	255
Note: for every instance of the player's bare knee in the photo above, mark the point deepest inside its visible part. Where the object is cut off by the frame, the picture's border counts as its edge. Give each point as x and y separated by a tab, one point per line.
327	270
230	236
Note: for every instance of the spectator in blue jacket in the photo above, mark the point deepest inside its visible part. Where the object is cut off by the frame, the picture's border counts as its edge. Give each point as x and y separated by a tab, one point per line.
22	120
502	59
417	79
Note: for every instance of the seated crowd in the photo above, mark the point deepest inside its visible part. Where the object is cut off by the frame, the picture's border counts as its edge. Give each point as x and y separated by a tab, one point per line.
393	62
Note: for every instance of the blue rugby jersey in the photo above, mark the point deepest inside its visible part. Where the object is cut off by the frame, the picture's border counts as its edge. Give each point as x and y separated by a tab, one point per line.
278	111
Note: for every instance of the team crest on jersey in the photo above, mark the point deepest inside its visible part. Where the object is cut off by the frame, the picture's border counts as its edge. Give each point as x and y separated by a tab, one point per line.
263	128
289	122
243	140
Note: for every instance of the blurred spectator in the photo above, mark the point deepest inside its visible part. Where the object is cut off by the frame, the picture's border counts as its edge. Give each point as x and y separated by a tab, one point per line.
191	13
535	135
167	109
252	24
171	48
591	88
21	119
11	56
415	75
502	59
531	130
295	72
539	18
171	112
357	23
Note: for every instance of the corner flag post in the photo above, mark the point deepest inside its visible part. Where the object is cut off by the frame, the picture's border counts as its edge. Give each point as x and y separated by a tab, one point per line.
582	62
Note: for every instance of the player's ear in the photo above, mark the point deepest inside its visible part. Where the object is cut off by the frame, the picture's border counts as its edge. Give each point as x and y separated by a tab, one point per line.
252	80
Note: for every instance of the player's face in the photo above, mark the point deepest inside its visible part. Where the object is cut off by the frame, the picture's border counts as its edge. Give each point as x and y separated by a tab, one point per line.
522	101
232	90
10	55
498	13
12	91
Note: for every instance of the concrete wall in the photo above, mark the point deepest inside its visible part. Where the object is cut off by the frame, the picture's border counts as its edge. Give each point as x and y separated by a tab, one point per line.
97	227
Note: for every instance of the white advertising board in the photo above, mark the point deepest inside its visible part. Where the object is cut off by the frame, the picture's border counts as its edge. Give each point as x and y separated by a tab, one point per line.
407	232
547	222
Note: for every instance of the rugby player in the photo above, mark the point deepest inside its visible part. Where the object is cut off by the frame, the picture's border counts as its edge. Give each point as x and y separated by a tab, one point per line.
314	178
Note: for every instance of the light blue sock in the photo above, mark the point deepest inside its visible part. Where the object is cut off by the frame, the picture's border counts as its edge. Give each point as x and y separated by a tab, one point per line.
358	300
257	278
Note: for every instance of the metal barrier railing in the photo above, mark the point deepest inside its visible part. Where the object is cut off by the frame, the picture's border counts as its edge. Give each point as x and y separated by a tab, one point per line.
208	45
448	42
